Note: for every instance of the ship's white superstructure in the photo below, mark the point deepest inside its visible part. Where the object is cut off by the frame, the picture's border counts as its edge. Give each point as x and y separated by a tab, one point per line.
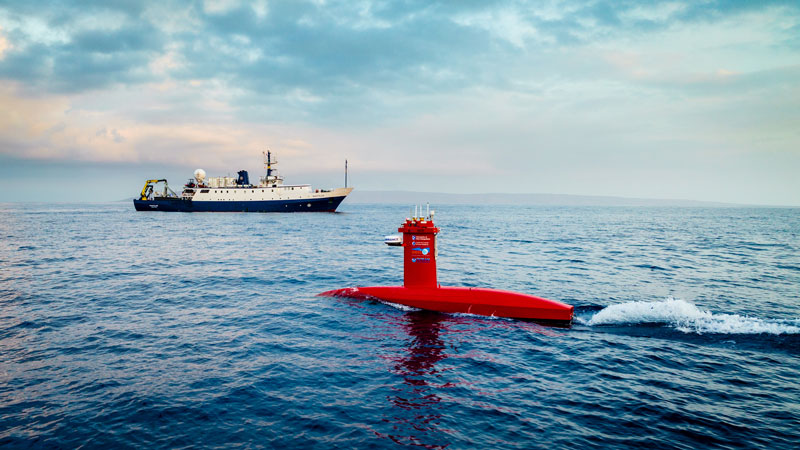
233	193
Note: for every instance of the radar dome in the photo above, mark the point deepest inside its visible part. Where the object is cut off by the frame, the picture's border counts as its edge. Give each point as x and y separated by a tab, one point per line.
199	175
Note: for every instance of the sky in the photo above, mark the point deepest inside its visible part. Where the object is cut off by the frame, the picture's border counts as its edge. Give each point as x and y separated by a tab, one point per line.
696	100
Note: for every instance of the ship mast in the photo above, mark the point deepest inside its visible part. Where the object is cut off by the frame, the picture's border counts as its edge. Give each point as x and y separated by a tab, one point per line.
268	162
272	177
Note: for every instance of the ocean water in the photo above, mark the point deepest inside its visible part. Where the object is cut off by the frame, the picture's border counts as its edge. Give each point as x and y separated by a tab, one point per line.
121	329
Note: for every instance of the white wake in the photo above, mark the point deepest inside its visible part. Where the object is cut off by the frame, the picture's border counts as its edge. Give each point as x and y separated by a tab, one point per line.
688	318
399	306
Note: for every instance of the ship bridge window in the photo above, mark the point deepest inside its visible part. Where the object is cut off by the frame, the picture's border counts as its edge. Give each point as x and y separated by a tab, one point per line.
204	191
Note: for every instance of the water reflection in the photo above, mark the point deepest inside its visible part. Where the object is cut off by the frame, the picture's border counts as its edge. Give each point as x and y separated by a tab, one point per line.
416	417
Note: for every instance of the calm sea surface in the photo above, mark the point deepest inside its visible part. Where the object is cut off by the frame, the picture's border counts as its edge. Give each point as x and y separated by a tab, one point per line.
168	330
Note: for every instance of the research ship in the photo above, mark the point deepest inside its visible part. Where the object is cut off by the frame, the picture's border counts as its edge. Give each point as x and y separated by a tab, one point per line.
237	194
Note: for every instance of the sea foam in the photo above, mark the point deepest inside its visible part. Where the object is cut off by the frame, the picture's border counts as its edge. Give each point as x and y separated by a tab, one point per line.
399	306
688	318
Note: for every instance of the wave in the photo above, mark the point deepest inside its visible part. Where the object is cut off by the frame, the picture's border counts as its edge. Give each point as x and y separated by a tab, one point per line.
688	318
399	306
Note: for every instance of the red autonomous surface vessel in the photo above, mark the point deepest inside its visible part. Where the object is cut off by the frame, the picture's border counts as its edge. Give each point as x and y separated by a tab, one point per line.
421	289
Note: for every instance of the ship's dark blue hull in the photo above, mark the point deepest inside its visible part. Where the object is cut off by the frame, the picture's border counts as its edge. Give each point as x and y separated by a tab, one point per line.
328	204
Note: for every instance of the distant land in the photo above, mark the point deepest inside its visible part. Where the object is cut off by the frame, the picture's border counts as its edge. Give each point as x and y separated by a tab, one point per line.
416	198
420	198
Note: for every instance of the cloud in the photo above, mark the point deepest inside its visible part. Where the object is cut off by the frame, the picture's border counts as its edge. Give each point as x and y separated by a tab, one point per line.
501	89
4	44
86	48
71	128
334	51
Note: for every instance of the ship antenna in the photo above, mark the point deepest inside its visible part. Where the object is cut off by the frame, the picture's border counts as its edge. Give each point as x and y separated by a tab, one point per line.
345	173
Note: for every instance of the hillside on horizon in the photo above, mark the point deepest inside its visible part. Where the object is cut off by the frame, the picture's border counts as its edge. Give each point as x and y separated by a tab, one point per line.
411	197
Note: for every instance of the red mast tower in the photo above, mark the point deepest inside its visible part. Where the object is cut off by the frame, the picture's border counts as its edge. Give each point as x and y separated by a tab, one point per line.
419	253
